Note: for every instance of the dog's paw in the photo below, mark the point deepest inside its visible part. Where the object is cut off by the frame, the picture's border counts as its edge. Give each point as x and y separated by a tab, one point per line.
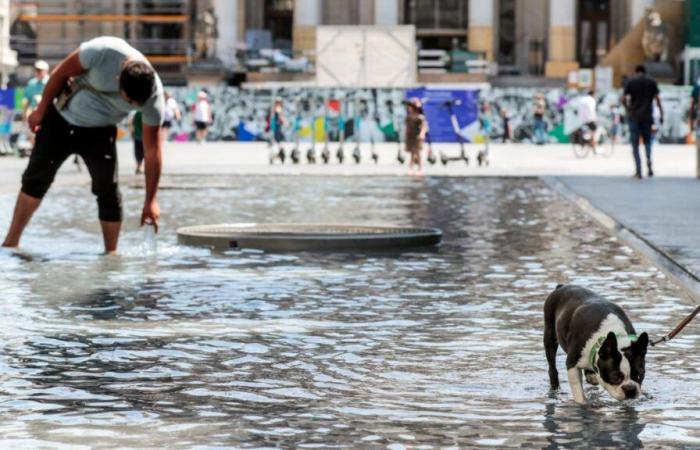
592	378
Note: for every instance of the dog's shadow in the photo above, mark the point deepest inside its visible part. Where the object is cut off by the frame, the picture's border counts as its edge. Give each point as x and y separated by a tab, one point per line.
594	425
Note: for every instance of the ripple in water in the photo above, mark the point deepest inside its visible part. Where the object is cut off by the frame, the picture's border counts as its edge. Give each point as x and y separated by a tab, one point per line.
179	347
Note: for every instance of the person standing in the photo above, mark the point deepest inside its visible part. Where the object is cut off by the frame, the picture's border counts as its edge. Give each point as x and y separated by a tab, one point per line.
539	111
34	90
416	129
35	86
202	116
485	125
171	115
136	128
641	91
90	91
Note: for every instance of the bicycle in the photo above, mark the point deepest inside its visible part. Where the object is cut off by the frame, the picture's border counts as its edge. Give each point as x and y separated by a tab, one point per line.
582	141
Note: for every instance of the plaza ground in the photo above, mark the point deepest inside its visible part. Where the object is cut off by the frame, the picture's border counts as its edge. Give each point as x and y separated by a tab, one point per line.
663	211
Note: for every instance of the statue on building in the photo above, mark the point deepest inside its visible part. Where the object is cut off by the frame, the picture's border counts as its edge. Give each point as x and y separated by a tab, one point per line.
655	40
206	33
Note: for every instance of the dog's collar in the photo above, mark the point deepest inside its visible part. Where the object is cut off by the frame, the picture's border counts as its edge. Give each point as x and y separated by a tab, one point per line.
594	350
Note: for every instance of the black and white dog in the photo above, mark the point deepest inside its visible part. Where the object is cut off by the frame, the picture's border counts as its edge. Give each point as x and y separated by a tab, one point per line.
598	339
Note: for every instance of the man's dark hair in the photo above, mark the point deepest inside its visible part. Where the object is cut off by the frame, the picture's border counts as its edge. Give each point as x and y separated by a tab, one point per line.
138	81
640	69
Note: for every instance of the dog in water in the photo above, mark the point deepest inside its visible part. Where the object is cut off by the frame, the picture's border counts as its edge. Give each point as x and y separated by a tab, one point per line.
598	339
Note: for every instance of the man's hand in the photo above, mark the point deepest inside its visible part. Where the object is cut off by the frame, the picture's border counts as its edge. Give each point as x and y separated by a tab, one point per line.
34	120
150	214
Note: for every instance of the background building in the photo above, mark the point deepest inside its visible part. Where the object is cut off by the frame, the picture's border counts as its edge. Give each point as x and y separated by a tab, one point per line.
259	40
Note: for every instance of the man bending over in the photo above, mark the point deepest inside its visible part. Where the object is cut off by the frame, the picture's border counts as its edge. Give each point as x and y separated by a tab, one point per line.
87	95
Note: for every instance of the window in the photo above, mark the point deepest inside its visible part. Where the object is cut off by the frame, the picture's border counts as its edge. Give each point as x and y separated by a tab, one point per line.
593	31
435	14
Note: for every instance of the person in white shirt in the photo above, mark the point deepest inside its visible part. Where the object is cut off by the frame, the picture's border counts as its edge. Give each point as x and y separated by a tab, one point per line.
202	116
587	113
171	114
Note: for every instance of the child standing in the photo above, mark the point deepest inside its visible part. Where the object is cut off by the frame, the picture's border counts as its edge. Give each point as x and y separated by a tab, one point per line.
416	129
485	127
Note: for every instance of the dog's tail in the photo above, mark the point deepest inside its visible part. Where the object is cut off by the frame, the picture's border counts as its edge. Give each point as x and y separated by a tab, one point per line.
559	286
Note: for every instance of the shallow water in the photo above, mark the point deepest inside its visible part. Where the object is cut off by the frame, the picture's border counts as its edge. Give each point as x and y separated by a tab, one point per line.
181	347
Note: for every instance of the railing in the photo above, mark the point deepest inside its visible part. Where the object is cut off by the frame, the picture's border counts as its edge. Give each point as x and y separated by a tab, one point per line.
455	61
106	7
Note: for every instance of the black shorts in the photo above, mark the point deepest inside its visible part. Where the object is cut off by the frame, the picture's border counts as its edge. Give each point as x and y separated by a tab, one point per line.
201	125
167	124
56	141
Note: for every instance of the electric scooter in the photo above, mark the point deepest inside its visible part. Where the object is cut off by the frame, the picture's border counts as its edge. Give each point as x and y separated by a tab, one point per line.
340	154
356	153
311	152
326	152
400	157
275	130
432	159
377	121
295	155
444	158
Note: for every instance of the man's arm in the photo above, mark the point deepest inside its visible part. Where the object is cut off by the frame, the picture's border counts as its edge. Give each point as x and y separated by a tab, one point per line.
154	164
661	109
69	67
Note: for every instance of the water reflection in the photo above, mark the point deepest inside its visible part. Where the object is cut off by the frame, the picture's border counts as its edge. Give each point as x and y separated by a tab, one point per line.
184	347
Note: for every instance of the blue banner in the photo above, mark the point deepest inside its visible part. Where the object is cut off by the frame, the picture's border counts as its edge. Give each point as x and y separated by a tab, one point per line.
465	106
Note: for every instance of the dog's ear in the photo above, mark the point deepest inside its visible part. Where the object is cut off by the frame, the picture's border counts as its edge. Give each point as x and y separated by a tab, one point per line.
639	347
609	347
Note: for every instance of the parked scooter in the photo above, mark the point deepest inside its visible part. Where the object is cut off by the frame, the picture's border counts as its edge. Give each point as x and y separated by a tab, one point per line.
311	152
356	153
444	158
274	128
400	156
340	153
295	155
326	152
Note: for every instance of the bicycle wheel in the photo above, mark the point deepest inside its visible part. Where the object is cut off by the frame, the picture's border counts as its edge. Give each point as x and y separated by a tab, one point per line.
580	150
606	146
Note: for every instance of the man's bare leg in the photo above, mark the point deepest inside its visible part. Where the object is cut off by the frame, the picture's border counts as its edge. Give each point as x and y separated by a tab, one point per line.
24	210
110	234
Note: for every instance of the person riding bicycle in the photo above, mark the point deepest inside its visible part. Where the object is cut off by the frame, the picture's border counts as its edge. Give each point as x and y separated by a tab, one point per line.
588	115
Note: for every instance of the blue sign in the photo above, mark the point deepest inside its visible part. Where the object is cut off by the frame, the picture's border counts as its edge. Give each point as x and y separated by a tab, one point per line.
465	107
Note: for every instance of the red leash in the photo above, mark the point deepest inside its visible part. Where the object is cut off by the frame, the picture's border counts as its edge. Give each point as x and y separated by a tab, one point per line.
678	329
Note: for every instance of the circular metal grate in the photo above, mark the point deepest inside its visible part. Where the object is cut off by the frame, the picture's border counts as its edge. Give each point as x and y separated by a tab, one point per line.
300	237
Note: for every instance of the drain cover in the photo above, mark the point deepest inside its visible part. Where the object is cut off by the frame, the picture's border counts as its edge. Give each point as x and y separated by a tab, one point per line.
300	237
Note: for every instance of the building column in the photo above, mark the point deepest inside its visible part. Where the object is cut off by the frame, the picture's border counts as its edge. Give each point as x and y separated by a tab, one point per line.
307	16
386	12
227	20
562	39
480	32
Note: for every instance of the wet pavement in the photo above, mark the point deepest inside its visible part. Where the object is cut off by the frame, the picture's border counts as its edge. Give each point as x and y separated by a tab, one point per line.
183	348
664	211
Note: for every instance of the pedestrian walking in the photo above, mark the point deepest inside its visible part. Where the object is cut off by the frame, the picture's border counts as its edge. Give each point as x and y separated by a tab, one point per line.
136	129
202	116
641	91
171	115
539	112
416	129
507	127
88	94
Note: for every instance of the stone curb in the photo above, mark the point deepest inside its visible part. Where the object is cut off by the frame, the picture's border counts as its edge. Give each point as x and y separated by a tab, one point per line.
658	256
